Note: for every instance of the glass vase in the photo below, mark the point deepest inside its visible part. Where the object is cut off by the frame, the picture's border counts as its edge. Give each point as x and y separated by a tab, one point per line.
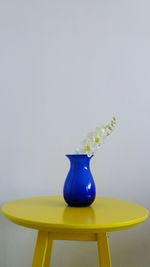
79	187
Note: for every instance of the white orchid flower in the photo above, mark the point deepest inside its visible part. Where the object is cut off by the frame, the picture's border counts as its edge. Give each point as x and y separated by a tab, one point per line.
95	139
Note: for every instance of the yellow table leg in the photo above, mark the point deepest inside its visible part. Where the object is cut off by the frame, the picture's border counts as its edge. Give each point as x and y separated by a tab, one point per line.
43	250
104	250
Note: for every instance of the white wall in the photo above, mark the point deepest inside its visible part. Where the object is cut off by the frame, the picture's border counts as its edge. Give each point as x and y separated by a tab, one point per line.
65	67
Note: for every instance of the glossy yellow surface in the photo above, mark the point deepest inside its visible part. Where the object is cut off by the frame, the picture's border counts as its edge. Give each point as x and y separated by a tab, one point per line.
51	214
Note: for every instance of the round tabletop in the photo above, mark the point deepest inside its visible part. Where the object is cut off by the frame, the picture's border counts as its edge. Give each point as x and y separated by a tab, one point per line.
51	213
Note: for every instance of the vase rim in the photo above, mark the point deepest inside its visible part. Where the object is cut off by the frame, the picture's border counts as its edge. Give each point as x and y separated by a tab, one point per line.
79	155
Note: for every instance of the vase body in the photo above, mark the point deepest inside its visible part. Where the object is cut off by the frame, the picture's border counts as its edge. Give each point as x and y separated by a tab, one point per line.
79	187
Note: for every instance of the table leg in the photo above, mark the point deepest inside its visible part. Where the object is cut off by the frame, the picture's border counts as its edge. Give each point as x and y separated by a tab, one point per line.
43	250
104	250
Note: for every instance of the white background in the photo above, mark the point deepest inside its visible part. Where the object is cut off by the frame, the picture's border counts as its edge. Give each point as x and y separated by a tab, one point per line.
66	67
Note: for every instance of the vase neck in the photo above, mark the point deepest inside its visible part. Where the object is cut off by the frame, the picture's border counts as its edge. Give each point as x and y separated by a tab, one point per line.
79	159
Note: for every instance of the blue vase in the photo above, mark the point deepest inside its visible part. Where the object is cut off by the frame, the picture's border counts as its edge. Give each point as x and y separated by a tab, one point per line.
79	187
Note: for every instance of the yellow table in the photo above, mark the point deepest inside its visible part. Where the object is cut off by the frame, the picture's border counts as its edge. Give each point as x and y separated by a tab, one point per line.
56	221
